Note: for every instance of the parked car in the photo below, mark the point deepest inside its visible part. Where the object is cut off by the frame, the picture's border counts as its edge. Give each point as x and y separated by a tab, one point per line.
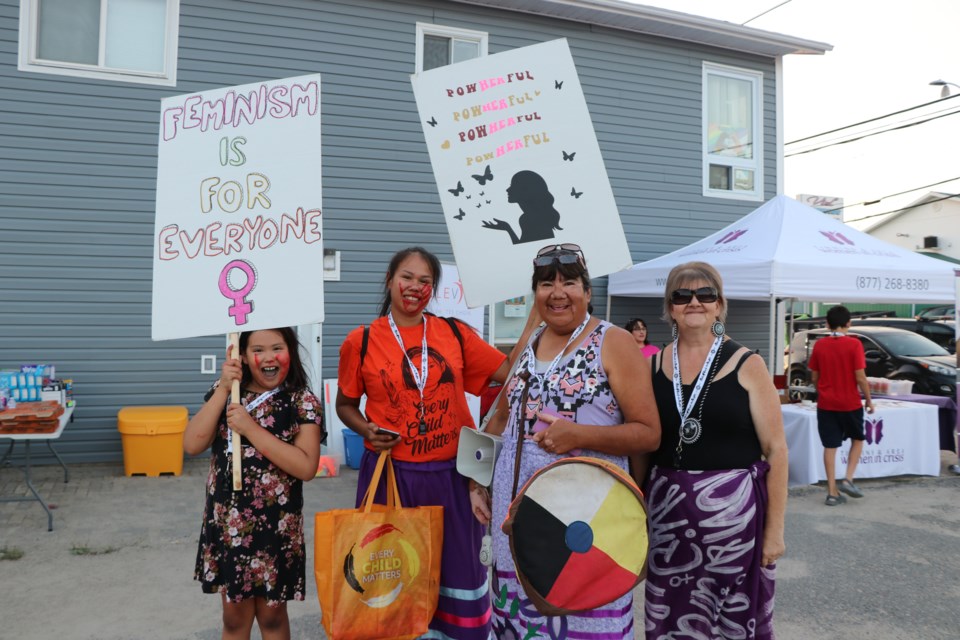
942	312
943	332
891	353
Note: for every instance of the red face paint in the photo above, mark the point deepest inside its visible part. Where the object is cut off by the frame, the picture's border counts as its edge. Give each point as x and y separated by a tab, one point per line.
423	298
283	360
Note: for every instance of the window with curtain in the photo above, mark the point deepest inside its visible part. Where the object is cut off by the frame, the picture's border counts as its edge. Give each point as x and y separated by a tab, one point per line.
133	40
732	134
438	46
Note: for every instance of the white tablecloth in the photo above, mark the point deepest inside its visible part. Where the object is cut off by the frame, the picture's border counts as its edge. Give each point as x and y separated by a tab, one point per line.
902	439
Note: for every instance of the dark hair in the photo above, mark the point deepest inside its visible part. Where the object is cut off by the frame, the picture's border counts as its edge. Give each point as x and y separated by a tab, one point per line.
838	316
297	376
549	272
635	323
433	262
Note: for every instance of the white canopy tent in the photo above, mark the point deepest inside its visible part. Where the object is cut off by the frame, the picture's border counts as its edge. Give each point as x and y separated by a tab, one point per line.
785	249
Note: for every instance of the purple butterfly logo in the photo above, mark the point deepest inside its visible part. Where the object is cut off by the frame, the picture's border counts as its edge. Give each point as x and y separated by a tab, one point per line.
874	429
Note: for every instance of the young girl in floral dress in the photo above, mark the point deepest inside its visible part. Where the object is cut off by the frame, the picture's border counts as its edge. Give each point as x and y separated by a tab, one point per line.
251	543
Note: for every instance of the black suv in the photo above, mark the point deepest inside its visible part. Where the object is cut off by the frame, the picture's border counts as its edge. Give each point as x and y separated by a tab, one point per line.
943	332
890	353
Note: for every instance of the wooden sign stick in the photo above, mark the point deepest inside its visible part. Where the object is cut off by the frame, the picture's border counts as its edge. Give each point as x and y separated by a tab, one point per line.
237	457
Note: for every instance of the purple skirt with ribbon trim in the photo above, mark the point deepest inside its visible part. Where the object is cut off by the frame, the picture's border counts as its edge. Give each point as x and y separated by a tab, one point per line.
463	612
704	578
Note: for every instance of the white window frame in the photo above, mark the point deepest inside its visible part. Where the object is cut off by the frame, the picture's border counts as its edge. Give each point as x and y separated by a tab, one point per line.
755	78
28	61
454	33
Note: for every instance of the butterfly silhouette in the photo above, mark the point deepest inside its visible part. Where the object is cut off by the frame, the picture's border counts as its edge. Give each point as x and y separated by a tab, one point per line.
488	202
558	84
575	193
487	176
479	204
432	121
874	430
469	196
460	217
481	193
568	156
458	190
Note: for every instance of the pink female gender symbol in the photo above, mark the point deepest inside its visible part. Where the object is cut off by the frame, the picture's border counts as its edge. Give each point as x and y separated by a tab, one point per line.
240	307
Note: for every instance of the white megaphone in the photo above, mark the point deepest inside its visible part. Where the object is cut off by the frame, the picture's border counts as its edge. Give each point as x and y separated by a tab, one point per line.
477	455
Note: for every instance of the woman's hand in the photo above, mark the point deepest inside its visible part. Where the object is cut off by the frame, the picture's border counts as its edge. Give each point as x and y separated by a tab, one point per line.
559	437
773	548
379	440
480	503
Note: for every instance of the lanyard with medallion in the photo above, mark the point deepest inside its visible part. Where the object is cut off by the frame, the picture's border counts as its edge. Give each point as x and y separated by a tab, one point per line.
544	378
690	427
419	377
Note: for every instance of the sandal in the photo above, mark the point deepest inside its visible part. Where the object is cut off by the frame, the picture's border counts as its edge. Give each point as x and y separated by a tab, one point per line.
833	501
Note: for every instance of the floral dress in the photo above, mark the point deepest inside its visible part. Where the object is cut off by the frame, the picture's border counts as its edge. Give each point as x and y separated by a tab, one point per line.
251	542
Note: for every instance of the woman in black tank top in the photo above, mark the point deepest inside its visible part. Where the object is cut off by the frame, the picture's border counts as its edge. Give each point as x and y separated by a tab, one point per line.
717	486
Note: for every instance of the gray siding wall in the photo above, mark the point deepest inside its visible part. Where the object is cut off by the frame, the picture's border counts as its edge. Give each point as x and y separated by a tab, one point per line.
78	179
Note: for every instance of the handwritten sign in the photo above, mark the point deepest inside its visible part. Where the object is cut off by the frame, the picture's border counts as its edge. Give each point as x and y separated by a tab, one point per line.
239	217
517	166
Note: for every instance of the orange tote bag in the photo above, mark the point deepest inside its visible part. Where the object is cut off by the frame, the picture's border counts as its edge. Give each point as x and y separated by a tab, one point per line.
378	567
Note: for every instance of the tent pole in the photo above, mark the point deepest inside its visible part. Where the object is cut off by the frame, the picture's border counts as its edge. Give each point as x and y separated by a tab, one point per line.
773	334
609	305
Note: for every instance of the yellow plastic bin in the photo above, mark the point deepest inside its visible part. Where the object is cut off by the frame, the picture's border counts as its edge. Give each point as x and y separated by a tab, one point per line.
152	439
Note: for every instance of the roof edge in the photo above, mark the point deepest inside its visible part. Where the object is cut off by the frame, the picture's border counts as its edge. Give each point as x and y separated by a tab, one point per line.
665	23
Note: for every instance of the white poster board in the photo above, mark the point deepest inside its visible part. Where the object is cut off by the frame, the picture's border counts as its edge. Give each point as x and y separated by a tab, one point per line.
237	242
517	166
451	302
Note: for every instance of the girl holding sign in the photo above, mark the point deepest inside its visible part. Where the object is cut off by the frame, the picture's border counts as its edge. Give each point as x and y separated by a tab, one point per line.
251	542
414	369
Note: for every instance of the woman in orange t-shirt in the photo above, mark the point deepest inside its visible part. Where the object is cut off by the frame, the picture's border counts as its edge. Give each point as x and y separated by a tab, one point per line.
414	368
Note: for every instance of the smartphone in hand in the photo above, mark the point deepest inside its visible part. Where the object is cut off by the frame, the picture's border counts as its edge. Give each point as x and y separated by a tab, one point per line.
387	432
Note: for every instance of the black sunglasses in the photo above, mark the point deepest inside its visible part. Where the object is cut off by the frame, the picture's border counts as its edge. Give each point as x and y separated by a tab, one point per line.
684	296
566	253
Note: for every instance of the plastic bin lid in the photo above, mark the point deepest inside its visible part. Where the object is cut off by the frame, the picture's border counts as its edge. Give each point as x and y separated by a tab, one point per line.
156	419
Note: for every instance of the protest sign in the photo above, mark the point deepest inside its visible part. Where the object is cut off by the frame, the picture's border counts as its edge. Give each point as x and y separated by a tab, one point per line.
517	166
237	242
449	300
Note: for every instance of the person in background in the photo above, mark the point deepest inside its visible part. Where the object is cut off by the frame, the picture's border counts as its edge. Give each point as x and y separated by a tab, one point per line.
638	328
251	543
414	368
717	489
837	369
579	384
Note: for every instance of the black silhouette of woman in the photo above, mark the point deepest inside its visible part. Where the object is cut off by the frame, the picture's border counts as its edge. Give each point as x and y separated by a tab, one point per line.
539	219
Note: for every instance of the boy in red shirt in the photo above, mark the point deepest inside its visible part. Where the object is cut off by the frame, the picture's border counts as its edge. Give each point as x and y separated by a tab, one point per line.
837	365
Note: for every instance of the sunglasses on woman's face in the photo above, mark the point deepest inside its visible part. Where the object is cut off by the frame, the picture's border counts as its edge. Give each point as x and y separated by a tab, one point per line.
566	253
684	296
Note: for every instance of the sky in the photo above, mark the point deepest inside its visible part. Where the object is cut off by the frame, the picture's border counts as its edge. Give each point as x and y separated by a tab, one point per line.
884	57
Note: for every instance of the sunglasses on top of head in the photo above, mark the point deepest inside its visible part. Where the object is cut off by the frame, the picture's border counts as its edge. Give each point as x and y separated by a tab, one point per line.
703	294
566	253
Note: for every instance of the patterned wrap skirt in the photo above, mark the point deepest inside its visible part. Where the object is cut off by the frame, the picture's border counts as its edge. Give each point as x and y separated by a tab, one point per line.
704	579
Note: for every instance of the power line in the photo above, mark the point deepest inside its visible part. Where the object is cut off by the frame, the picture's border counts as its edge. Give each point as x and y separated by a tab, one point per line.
892	195
868	135
857	124
907	208
765	12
